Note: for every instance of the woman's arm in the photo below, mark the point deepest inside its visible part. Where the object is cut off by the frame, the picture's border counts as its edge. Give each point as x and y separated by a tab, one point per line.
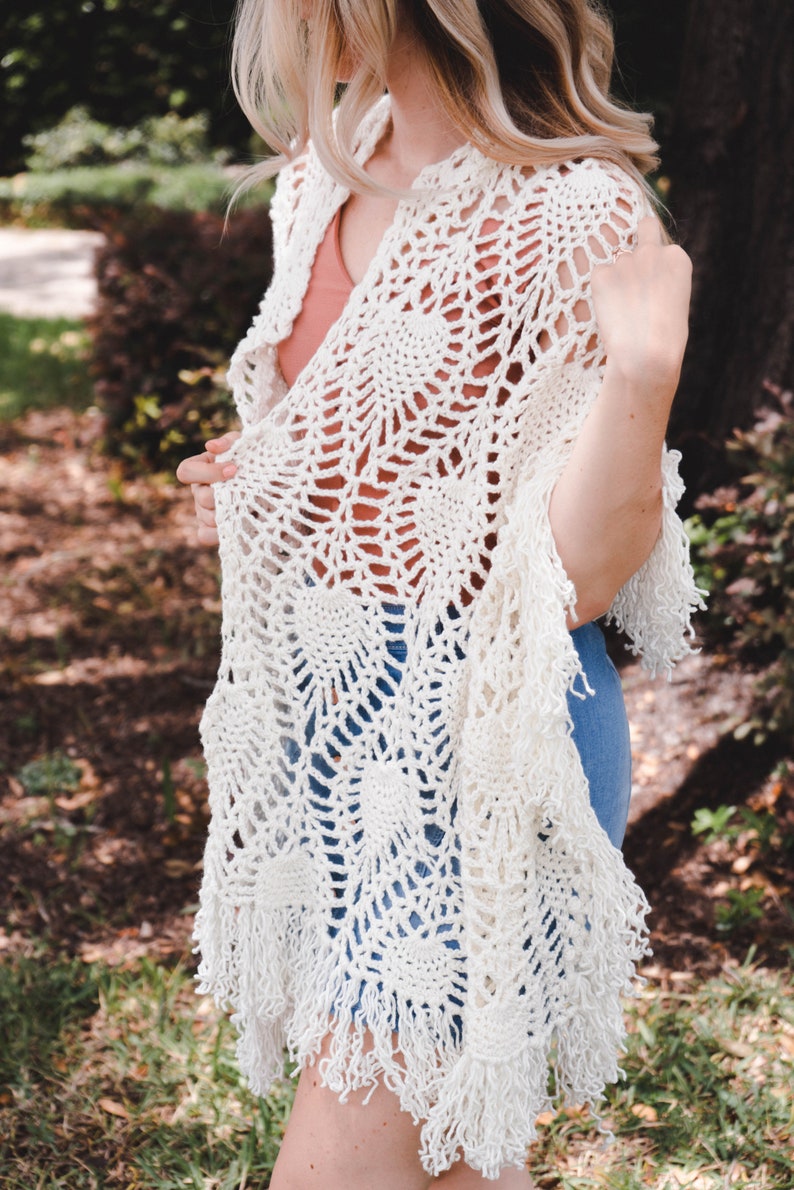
605	510
201	471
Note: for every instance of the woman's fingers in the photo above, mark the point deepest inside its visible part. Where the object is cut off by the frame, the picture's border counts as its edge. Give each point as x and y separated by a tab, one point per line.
203	469
203	495
204	502
206	535
200	472
641	304
649	231
217	446
199	469
205	505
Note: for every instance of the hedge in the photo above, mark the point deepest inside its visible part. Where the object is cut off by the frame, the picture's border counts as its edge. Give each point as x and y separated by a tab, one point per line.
87	196
175	294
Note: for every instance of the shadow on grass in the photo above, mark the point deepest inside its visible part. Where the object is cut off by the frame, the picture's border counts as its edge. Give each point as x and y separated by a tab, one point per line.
683	879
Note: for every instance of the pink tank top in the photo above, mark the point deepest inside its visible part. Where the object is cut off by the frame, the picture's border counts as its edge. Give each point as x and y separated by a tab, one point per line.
327	293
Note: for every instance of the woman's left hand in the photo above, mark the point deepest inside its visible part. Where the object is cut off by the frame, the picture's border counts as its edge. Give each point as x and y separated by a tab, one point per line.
641	305
201	472
606	508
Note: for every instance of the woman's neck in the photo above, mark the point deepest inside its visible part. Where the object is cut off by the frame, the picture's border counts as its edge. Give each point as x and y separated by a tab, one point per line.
421	132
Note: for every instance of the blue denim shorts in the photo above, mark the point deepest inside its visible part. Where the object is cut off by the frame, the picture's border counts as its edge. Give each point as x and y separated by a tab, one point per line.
601	733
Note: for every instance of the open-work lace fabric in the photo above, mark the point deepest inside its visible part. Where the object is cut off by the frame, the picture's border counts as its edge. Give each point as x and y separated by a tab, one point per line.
401	838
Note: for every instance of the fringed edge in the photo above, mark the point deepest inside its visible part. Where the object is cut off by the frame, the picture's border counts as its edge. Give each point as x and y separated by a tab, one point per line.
305	1005
655	607
237	945
362	1051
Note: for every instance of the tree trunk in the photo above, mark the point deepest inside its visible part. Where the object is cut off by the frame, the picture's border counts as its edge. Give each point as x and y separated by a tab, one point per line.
731	160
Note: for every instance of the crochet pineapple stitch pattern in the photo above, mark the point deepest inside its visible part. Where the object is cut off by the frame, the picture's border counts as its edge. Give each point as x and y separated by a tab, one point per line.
401	835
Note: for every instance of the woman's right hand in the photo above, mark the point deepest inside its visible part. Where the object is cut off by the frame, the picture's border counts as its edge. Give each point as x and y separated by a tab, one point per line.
201	472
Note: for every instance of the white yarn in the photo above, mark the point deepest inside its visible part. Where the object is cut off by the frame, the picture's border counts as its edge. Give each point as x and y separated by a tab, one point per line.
475	738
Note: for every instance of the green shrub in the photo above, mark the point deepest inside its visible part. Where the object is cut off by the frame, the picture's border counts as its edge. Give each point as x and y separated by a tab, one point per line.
79	140
200	188
743	538
90	195
50	774
79	197
176	294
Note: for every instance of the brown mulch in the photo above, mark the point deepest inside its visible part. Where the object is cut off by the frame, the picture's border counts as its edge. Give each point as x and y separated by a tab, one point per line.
108	634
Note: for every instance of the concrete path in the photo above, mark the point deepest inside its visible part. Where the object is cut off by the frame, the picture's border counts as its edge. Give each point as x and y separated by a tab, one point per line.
47	273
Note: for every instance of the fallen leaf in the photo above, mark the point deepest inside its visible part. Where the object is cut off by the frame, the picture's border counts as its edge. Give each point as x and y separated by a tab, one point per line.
738	1049
114	1109
50	677
644	1111
178	867
77	801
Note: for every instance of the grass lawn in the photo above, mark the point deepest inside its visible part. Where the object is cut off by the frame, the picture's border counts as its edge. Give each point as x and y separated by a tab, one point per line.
42	365
124	1078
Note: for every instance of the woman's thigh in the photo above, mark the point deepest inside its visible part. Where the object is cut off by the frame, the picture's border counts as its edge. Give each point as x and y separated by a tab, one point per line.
367	1142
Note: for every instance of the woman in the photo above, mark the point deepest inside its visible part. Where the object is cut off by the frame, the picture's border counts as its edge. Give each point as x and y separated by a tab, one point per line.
454	401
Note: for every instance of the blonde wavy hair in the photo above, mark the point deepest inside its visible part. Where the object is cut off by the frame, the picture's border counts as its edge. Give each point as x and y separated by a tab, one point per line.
525	81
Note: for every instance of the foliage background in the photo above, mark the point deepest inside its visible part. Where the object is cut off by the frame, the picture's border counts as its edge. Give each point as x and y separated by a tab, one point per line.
124	60
127	60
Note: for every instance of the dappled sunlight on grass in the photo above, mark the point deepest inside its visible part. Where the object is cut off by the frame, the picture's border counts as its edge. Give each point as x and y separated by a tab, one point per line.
706	1102
125	1074
43	364
123	1077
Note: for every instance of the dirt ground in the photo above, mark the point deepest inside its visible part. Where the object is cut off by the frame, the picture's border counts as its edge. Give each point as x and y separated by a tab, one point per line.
108	634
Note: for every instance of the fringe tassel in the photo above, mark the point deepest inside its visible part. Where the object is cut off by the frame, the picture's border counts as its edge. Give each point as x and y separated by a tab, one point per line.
655	607
252	959
486	1113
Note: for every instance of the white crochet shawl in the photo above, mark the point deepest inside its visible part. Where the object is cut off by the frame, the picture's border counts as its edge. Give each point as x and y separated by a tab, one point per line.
523	922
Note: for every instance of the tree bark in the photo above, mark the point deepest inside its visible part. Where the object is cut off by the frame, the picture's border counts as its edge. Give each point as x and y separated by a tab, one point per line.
731	161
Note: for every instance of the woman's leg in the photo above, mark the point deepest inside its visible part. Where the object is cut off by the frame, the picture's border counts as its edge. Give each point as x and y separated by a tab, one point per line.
348	1146
461	1177
363	1146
